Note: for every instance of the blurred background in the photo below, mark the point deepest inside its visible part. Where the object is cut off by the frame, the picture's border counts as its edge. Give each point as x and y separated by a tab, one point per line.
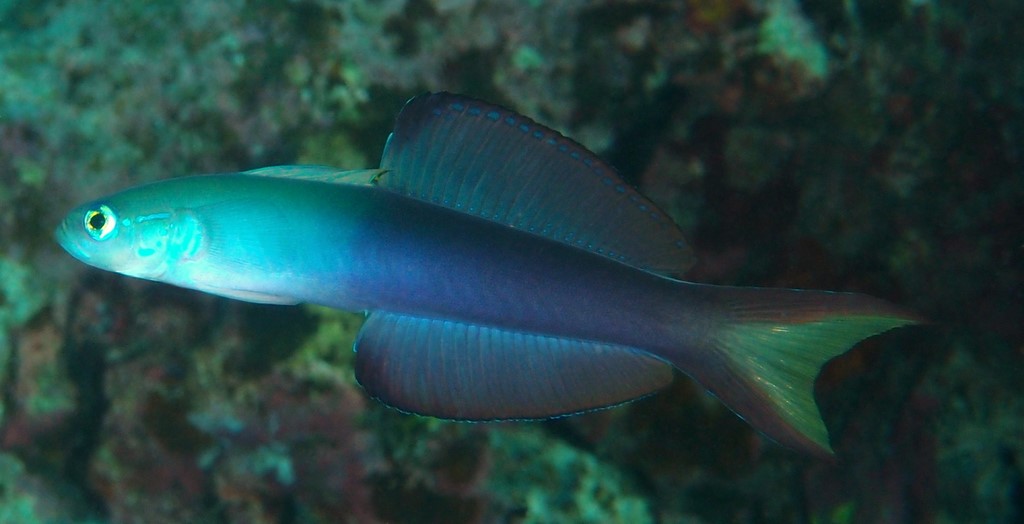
862	145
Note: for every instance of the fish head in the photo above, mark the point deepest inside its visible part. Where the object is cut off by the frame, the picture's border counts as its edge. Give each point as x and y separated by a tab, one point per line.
125	235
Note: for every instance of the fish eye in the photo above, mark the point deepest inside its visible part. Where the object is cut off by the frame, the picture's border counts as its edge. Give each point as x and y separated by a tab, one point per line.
100	222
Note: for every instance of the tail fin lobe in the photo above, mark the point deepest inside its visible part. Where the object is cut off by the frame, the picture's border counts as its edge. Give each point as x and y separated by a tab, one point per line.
766	354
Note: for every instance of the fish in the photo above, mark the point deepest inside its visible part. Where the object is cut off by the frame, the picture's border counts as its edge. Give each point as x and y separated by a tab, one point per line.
506	273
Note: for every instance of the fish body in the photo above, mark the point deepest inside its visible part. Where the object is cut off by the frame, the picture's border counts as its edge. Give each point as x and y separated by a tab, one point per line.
363	248
507	273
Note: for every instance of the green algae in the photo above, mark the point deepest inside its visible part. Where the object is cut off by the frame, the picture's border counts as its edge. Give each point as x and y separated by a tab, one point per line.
27	499
333	149
326	356
556	482
14	505
786	34
22	295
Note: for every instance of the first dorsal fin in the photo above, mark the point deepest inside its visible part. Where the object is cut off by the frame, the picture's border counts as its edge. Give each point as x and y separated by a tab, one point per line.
493	163
359	177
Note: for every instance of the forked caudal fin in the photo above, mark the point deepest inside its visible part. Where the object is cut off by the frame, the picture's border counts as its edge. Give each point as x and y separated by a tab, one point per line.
762	358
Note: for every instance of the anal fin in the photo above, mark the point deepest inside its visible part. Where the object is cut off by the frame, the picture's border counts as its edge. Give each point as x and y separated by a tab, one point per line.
467	372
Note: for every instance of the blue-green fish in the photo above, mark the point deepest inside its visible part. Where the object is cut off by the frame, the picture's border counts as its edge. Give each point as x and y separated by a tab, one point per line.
506	273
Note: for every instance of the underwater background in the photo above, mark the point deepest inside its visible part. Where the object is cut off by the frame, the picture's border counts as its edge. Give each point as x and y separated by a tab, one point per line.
863	145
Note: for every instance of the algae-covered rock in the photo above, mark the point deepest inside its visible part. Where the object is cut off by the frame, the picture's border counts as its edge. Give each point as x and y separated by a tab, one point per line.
542	479
29	498
23	293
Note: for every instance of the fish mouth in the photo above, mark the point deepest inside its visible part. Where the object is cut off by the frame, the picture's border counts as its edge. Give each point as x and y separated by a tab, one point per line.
66	239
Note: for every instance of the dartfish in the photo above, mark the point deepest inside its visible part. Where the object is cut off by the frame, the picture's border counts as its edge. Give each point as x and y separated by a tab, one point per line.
506	273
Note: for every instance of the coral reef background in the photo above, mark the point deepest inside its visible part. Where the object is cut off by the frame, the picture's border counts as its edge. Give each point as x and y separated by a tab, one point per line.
865	145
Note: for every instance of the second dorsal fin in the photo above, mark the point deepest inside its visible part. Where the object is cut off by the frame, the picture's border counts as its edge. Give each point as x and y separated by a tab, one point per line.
493	163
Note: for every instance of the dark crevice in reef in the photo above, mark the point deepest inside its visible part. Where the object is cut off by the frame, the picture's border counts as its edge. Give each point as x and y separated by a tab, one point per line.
86	367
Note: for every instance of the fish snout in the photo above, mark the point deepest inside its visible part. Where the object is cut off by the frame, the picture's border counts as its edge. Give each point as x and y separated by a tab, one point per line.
67	238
